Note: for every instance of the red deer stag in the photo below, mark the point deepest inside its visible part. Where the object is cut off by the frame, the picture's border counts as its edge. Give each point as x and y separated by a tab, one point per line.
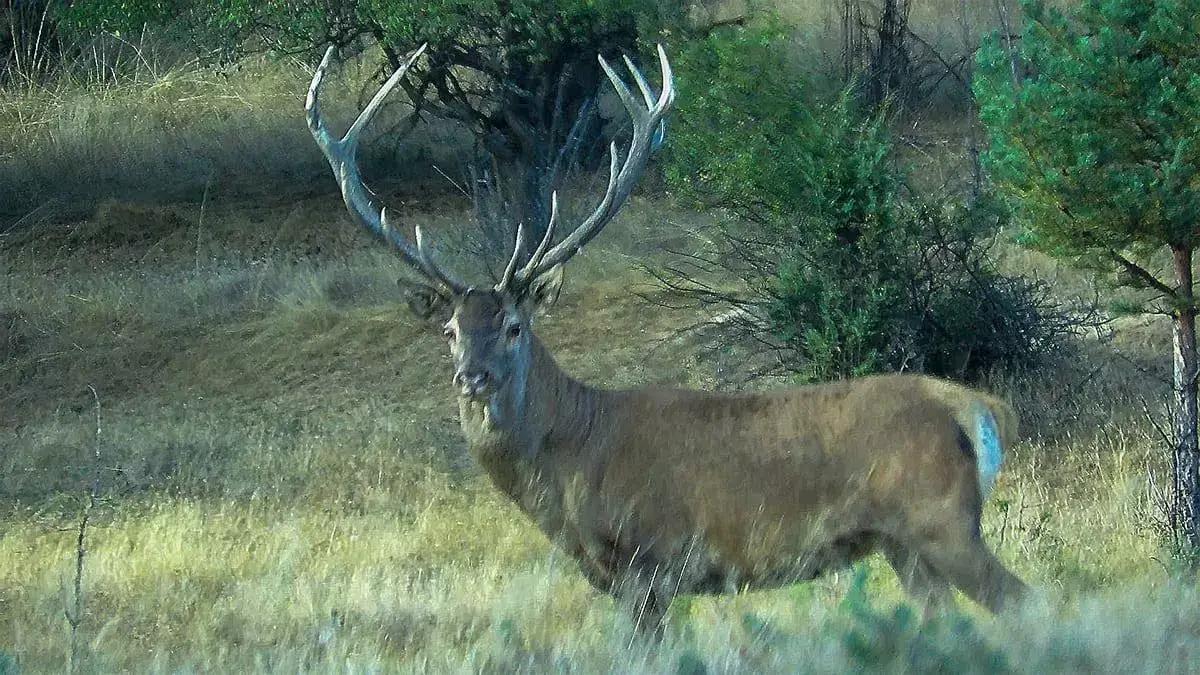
657	492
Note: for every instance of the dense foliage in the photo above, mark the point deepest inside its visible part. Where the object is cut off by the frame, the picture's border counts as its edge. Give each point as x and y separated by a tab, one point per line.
1101	142
845	272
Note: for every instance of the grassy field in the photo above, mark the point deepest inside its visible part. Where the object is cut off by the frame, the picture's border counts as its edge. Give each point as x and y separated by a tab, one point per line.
284	487
283	484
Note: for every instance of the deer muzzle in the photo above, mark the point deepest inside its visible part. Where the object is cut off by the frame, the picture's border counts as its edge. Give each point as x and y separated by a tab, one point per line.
474	384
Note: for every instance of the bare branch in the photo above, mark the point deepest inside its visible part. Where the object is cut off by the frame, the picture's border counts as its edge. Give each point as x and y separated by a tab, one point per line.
74	615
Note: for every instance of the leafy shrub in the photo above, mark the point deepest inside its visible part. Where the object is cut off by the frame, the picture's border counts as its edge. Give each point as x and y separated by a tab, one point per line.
842	270
896	640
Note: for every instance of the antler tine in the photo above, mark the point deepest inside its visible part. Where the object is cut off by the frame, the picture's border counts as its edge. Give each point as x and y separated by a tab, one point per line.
660	134
312	106
640	79
431	269
368	112
538	253
544	245
342	155
518	248
646	120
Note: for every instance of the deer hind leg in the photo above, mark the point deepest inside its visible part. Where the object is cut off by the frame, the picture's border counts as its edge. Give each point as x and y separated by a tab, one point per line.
923	585
967	562
638	583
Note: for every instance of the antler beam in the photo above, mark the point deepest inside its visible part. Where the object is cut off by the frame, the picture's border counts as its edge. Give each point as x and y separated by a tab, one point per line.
622	176
343	159
647	117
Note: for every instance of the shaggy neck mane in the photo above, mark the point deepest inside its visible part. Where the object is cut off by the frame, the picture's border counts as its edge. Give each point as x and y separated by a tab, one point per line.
557	420
570	408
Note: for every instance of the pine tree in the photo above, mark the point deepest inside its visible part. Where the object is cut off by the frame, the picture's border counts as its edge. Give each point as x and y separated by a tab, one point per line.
1098	142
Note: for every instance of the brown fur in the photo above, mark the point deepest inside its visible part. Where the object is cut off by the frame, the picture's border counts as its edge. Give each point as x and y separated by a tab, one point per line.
657	492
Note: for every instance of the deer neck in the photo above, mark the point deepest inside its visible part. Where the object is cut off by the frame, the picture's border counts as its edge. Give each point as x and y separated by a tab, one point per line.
540	426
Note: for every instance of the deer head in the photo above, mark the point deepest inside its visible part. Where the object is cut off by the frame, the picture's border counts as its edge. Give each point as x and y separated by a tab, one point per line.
489	328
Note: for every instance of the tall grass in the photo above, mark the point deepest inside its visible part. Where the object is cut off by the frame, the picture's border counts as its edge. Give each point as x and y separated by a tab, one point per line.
155	128
285	486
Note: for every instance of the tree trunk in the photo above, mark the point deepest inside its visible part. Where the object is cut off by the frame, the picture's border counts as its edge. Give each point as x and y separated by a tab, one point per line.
890	64
1006	30
1186	508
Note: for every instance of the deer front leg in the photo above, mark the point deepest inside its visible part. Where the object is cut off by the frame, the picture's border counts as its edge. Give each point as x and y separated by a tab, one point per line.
636	583
619	563
640	590
599	575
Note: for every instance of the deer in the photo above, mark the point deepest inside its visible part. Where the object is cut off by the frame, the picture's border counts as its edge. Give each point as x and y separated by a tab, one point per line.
658	492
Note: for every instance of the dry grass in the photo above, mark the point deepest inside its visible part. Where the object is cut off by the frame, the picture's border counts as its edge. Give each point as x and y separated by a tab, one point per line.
135	122
164	133
286	488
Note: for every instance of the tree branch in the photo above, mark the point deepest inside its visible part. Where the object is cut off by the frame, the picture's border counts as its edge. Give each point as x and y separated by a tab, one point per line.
1139	272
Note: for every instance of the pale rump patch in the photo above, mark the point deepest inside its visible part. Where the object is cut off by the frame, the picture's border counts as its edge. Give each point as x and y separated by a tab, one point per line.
989	454
988	422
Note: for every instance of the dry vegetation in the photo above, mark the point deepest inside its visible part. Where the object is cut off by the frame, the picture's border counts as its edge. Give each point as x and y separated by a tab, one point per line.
286	488
168	130
284	485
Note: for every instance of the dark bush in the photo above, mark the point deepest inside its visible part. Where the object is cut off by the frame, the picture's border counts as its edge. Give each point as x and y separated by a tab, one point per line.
841	269
28	38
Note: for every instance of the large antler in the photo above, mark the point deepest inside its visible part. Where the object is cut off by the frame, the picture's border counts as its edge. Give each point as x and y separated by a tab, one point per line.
342	155
647	131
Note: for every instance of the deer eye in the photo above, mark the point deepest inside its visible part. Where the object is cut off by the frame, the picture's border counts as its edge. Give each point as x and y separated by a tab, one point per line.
449	333
514	331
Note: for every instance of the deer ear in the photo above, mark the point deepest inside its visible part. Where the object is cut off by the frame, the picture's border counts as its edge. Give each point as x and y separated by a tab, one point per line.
426	302
545	289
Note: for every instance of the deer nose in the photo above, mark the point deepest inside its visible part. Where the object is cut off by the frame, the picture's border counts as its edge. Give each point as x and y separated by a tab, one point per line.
472	383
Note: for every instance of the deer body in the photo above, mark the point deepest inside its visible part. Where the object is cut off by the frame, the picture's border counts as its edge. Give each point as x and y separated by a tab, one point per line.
660	492
657	492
